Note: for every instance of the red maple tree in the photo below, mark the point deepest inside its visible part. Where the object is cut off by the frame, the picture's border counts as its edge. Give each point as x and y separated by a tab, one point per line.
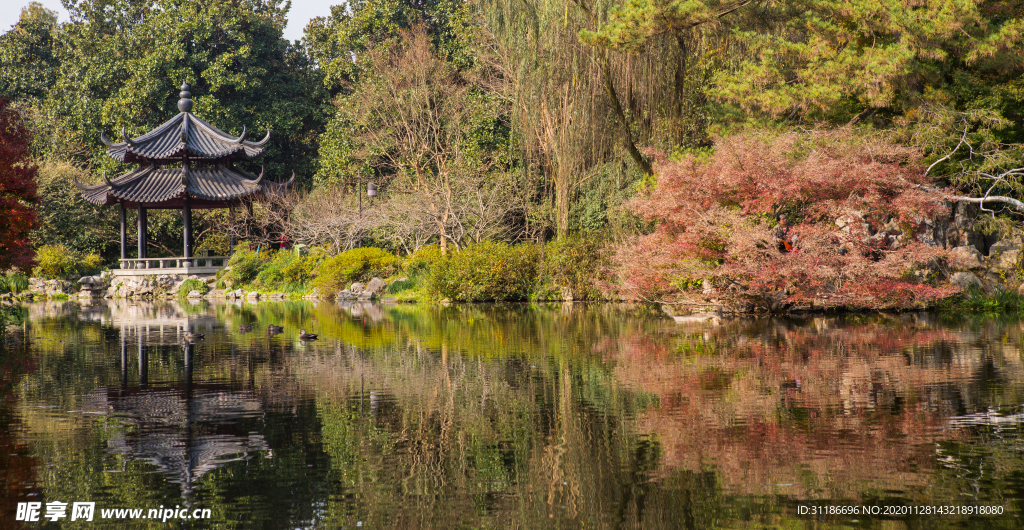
857	219
17	191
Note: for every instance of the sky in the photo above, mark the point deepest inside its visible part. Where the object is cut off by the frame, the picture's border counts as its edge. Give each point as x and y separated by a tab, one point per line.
302	11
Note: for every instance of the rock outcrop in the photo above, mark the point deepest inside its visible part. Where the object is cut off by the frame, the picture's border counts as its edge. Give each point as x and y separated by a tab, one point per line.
376	286
965	280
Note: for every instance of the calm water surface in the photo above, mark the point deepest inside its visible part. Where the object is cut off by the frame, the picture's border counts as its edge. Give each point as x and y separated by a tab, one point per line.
508	417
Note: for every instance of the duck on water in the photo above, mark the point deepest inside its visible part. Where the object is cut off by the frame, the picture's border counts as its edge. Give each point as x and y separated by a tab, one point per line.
306	336
192	337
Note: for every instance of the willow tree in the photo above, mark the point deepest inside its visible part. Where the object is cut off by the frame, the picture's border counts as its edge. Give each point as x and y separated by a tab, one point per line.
584	112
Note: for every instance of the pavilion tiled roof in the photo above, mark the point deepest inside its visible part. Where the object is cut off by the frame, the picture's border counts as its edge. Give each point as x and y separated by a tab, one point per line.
185	141
184	133
154	184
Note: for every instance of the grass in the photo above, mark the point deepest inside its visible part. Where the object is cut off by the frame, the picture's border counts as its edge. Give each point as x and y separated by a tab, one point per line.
976	300
411	289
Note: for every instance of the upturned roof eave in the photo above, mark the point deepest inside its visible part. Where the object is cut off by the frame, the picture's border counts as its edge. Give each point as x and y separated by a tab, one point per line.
155	185
184	133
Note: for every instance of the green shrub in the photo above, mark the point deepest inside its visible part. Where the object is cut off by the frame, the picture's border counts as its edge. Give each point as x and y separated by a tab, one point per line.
486	272
244	266
358	264
411	289
423	259
576	263
300	270
90	263
288	271
270	275
59	262
188	286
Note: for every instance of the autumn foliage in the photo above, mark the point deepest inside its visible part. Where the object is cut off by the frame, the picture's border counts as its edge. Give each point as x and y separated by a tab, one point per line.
855	213
17	191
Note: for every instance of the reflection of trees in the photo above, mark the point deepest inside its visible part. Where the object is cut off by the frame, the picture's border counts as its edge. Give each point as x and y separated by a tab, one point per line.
834	408
18	467
104	432
481	416
534	417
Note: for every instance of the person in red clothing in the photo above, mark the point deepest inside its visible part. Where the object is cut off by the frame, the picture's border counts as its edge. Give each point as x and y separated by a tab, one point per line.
785	241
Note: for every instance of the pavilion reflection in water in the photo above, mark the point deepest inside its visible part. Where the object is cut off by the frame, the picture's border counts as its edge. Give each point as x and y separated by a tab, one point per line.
182	428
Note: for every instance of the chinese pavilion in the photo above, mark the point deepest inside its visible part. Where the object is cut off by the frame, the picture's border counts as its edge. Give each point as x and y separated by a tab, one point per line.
185	163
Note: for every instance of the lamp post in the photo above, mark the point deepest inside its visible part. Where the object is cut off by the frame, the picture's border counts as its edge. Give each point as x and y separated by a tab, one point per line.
371	192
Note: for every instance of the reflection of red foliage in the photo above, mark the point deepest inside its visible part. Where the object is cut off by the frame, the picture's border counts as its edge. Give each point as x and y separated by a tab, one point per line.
856	219
17	191
17	465
842	406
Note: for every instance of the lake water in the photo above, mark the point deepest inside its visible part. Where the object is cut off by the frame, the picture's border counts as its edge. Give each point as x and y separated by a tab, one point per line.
558	416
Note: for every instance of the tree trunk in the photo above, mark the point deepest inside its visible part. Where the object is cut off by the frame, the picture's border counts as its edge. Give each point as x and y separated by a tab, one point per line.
627	134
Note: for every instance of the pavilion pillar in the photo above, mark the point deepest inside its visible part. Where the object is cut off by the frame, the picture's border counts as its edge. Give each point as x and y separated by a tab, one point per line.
124	234
187	213
142	232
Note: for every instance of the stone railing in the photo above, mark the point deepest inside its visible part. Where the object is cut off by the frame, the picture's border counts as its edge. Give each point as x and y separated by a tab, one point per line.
173	263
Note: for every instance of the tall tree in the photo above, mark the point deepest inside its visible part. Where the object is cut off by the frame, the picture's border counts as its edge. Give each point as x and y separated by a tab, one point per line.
27	54
338	42
17	191
122	61
845	61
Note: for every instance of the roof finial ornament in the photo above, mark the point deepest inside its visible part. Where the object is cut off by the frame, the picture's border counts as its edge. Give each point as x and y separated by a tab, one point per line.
185	104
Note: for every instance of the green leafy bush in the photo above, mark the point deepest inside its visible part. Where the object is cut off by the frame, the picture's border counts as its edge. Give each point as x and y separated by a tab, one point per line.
423	259
188	286
58	262
574	263
288	271
358	264
243	267
271	276
90	263
486	272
